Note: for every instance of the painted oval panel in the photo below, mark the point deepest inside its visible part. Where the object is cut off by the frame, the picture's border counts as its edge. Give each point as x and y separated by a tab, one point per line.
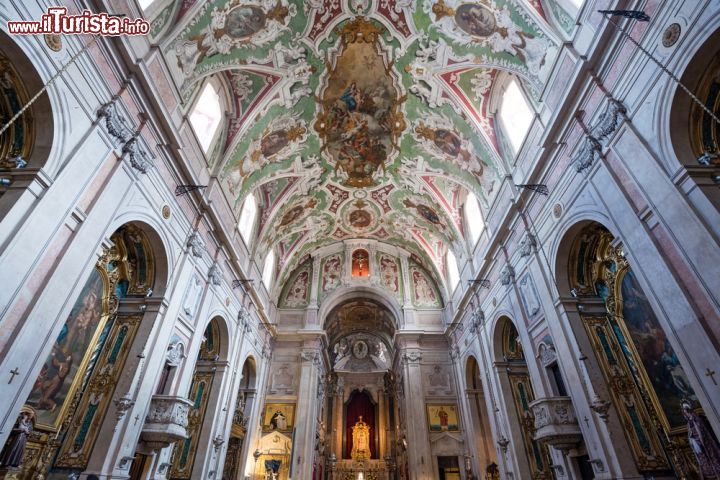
477	20
245	21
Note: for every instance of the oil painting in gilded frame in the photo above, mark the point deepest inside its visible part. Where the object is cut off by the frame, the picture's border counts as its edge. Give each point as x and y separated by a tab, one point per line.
59	376
443	418
278	417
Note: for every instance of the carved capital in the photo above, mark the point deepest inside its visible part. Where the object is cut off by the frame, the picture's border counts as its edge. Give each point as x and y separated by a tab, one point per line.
528	246
196	245
215	274
507	275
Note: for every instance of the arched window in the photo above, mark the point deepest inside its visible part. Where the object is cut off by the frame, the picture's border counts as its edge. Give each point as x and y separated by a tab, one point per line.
453	272
473	217
515	114
144	4
247	218
206	115
268	269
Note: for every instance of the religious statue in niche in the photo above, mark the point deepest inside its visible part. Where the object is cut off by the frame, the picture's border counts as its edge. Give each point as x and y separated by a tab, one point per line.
360	263
12	453
702	442
360	440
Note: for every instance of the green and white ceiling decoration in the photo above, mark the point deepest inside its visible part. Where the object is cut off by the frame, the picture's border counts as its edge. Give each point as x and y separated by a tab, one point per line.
361	118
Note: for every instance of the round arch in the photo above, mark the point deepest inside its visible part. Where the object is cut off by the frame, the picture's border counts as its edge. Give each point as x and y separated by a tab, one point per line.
159	242
344	294
673	115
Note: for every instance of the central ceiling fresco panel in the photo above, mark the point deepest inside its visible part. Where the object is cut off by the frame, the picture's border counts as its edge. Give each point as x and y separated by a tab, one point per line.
361	118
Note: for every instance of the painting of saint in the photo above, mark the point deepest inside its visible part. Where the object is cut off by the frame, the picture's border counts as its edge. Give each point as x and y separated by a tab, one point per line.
360	121
660	361
425	212
360	219
443	418
389	273
475	19
331	271
244	21
296	212
56	376
298	293
279	417
447	141
424	293
273	142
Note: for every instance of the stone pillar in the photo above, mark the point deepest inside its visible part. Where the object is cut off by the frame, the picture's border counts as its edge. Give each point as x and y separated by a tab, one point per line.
419	457
382	423
306	413
311	312
337	426
408	309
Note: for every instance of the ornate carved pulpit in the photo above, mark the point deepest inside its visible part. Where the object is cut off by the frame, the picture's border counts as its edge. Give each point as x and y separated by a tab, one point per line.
360	440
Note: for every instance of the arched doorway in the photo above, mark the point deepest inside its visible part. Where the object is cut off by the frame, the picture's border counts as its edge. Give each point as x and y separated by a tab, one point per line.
72	394
475	393
241	415
515	381
646	380
204	387
361	408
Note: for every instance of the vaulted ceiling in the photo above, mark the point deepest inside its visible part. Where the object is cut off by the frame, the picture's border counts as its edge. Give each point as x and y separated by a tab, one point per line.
359	118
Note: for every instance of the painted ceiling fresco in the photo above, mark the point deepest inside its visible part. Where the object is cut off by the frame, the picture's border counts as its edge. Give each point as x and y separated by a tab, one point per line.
360	118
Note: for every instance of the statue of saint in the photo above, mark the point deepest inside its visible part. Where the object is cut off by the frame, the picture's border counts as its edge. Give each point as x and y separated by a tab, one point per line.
360	440
14	450
702	442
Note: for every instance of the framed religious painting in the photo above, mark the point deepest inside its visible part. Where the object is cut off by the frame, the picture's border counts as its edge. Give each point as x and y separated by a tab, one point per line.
278	417
443	417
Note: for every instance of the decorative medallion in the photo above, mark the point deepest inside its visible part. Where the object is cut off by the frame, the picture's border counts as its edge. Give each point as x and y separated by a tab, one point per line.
557	210
671	35
360	349
360	121
166	212
360	216
53	41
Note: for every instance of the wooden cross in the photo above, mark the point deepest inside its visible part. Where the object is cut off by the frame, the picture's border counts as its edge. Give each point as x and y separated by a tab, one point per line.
137	417
15	371
587	422
708	373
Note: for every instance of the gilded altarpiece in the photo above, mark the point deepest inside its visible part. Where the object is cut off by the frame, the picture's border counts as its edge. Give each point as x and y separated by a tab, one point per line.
646	381
74	389
183	457
17	141
538	455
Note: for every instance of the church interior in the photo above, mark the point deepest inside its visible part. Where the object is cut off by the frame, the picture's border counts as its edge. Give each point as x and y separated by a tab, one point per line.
361	240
